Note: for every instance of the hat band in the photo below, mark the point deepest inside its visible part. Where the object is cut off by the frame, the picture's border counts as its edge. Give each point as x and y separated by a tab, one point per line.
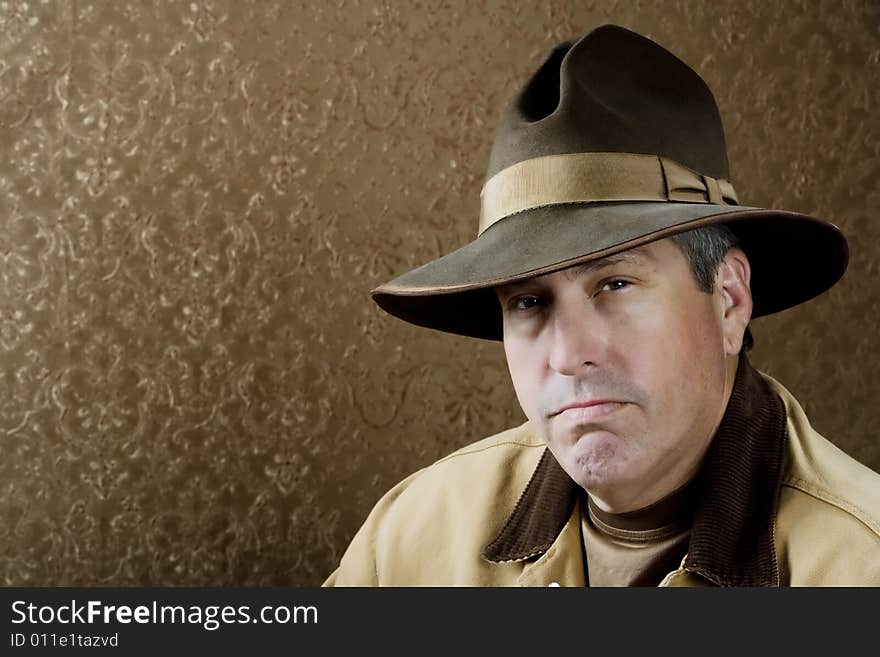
592	177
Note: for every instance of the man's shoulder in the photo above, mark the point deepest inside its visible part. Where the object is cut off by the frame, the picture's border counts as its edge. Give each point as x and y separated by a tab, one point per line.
820	469
828	521
489	467
432	526
513	442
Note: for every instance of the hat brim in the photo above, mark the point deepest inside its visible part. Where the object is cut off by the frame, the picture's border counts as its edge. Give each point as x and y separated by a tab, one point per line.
793	257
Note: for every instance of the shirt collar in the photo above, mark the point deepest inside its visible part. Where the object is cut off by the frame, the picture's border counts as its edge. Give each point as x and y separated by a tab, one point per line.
738	487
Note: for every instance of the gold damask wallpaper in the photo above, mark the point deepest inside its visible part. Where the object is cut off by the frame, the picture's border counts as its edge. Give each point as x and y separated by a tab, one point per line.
196	198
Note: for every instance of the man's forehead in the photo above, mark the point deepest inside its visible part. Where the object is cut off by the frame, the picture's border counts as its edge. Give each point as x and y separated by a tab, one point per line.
638	255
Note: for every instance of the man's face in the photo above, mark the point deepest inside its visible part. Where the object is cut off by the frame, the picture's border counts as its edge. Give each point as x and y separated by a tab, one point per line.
625	366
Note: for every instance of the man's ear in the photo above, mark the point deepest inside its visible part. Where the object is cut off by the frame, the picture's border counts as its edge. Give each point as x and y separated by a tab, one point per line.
733	283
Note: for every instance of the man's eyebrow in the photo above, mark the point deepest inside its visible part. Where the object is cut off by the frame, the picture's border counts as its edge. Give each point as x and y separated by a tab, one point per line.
636	256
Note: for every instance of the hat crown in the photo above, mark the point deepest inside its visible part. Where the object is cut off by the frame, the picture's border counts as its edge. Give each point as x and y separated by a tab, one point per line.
613	91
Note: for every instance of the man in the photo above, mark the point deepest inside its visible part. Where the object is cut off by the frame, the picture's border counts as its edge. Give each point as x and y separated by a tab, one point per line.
615	264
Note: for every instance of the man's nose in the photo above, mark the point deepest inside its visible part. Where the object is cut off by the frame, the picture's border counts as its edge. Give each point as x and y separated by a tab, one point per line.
578	340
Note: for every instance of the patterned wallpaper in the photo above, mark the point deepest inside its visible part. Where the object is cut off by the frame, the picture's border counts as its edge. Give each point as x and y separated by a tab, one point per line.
196	198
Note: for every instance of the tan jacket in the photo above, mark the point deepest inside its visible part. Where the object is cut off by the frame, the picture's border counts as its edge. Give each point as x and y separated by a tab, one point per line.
434	526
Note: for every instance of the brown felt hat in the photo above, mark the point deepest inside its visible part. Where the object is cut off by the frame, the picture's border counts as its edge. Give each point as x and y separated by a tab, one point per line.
612	143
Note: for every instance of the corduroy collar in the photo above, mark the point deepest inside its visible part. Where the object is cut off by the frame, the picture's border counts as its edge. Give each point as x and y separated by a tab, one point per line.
732	536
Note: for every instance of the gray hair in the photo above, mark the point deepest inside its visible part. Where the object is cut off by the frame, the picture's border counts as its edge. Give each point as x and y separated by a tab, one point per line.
704	249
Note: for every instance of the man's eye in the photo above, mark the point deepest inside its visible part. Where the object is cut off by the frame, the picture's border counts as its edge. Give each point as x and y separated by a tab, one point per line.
524	303
616	284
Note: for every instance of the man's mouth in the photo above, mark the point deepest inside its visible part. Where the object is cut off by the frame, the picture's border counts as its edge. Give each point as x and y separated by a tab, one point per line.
588	411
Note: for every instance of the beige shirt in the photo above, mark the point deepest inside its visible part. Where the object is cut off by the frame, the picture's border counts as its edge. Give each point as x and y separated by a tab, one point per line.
637	548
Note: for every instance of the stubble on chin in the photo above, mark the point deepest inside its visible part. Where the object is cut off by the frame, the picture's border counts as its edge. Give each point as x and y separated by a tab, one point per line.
589	454
594	461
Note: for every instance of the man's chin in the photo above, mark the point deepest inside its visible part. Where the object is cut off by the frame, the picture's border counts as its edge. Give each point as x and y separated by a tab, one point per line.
588	436
593	458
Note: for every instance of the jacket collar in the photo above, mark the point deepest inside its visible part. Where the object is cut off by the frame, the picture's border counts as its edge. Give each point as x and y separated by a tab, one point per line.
738	488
